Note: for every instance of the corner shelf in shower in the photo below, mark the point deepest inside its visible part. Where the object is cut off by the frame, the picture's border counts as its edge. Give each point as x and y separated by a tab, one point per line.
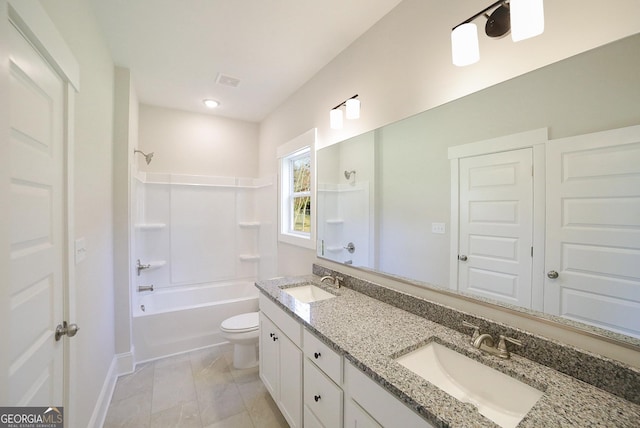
249	257
150	226
334	221
249	224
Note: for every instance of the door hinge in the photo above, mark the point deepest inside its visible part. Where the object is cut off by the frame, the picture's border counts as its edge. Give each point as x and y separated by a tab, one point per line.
531	251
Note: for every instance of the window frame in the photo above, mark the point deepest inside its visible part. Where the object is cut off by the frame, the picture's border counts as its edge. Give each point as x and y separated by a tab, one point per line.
287	153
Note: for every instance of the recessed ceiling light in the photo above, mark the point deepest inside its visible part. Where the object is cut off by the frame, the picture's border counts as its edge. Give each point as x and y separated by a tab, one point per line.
211	103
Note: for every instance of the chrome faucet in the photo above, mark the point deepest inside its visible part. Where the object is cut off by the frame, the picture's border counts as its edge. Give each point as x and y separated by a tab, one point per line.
336	280
485	342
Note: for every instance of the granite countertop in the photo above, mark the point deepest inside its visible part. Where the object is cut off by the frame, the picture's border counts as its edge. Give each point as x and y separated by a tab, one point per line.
369	333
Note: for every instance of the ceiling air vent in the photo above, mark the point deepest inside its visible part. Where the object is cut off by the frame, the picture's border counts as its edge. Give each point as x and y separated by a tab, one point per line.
225	80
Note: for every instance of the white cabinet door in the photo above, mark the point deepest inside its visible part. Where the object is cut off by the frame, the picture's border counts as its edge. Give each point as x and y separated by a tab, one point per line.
496	226
290	381
593	229
281	370
269	356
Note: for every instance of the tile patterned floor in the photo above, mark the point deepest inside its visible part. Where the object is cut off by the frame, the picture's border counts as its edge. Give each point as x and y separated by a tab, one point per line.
200	389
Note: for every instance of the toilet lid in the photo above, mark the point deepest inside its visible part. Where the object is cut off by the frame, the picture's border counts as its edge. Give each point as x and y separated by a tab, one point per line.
241	323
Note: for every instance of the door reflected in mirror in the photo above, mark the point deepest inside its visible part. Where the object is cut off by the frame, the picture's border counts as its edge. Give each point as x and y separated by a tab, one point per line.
390	193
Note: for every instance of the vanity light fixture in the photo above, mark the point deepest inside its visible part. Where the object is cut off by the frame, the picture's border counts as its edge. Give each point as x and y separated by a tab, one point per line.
352	109
211	103
524	18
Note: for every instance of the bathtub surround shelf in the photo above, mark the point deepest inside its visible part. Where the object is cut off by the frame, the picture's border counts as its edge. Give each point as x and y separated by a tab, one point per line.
249	224
150	226
370	333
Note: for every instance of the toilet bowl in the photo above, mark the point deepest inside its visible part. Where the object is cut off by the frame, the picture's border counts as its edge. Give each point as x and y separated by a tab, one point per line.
243	331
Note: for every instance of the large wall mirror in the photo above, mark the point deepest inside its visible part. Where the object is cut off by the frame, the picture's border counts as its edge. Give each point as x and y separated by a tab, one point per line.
385	197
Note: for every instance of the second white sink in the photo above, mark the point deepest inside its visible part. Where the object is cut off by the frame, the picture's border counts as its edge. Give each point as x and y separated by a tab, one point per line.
308	293
497	396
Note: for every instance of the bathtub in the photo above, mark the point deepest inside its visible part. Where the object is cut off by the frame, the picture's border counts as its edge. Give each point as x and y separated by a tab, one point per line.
181	319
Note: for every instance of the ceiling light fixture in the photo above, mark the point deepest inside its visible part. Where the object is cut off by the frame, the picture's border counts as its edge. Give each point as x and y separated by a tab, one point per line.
211	103
524	18
352	108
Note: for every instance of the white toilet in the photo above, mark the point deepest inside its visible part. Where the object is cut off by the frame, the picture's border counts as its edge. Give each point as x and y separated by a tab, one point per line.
243	331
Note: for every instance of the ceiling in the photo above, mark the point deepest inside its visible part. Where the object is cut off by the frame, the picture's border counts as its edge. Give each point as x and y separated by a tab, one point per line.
176	49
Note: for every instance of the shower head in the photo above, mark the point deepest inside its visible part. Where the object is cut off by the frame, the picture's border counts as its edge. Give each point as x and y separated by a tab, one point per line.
347	174
147	157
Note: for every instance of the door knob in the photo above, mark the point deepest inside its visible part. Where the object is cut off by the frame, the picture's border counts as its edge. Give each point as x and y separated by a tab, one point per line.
69	329
552	274
462	258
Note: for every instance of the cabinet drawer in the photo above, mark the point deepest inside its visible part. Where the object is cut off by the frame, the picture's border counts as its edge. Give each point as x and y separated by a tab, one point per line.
386	409
287	324
322	396
326	358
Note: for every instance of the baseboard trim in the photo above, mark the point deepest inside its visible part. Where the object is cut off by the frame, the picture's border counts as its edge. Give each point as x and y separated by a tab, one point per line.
126	363
104	399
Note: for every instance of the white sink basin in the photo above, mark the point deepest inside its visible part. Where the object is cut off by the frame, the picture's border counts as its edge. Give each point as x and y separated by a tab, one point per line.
497	396
308	293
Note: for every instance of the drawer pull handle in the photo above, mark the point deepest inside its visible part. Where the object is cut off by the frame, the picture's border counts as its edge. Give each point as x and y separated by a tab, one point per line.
316	355
316	398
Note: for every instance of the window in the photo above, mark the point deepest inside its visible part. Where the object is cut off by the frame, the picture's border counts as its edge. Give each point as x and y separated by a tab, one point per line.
296	190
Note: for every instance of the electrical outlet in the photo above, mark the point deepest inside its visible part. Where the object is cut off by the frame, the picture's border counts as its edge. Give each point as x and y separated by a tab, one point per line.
438	228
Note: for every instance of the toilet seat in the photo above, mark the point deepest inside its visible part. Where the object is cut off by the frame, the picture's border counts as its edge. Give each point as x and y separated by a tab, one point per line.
241	323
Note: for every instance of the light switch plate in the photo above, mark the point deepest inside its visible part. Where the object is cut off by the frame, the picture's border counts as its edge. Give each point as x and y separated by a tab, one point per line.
438	228
80	250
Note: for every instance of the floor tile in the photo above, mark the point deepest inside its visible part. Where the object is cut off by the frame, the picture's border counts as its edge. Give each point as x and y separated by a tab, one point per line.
172	384
132	412
193	390
183	415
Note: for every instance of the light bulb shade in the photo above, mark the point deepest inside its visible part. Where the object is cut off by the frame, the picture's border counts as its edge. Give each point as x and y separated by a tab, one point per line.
353	108
211	103
335	118
527	19
464	44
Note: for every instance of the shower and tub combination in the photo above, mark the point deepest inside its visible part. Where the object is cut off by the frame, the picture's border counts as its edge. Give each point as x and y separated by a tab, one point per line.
200	243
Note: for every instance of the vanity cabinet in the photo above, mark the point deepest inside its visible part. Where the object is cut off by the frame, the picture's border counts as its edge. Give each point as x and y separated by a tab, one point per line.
281	360
369	405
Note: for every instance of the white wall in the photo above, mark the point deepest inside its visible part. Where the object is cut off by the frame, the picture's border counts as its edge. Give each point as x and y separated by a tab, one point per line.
402	66
197	144
5	299
93	160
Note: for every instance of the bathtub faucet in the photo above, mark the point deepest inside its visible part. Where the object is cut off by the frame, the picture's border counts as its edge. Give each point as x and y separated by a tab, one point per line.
142	288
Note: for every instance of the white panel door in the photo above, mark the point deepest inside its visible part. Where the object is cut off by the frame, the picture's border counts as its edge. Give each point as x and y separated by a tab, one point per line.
496	226
593	229
37	228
